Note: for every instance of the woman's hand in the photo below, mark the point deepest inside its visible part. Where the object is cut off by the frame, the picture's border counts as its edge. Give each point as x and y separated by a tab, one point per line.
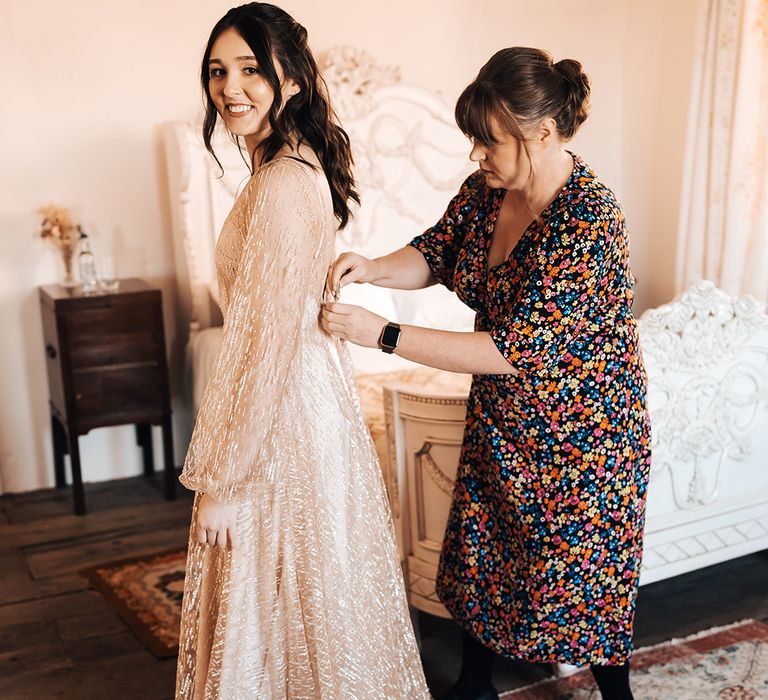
216	523
348	268
353	323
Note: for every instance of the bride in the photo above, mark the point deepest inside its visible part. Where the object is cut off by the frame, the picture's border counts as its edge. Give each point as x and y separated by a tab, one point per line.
293	586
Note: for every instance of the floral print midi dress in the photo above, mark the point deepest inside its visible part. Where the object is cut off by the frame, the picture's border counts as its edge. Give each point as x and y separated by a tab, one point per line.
542	550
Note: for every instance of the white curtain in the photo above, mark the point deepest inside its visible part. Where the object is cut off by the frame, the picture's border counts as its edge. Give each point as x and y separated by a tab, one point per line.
724	217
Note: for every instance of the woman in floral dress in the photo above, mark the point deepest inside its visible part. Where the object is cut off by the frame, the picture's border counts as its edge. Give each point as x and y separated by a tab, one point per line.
542	550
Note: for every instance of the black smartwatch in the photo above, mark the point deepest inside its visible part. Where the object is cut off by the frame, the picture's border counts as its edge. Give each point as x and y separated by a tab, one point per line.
390	337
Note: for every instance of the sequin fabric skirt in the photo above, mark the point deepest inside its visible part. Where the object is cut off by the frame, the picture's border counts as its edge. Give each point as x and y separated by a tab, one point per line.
311	605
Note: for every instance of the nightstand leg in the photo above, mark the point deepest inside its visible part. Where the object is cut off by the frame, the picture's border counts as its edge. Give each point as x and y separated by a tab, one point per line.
170	468
144	440
59	439
77	479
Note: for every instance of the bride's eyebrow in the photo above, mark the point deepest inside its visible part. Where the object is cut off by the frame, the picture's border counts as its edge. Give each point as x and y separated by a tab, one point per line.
238	58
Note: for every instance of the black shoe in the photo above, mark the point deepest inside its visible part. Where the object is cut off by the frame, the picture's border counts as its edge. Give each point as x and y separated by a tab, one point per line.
489	694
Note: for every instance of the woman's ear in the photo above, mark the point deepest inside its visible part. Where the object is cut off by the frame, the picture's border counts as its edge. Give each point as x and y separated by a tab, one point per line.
290	88
547	129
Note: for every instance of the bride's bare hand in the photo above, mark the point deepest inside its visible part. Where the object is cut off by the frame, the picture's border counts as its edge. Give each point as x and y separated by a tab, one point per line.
216	523
349	268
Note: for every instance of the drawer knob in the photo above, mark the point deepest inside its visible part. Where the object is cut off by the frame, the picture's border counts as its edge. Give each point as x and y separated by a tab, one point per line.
50	351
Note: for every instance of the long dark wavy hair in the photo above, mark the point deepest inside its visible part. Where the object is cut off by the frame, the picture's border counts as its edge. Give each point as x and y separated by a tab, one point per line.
272	32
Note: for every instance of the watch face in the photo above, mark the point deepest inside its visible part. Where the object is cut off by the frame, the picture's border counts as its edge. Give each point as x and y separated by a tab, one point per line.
390	336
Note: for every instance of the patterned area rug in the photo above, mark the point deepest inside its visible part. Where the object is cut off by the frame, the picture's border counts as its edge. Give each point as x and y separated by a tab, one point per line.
726	663
146	592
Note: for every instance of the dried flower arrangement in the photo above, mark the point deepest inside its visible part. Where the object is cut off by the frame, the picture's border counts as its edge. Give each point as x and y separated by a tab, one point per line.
59	229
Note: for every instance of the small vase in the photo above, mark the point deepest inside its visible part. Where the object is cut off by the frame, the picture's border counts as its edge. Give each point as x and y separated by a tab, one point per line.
68	256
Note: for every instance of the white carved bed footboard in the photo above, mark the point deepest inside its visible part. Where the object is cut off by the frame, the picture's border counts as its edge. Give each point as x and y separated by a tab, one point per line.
707	360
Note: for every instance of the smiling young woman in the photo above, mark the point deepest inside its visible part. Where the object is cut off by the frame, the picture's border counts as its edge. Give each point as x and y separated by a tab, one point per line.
293	587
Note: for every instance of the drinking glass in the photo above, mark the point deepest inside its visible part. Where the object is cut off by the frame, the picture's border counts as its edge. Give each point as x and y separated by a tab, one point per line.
108	281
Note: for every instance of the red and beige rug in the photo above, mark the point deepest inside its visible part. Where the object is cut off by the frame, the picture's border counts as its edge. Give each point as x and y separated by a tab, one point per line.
146	592
726	663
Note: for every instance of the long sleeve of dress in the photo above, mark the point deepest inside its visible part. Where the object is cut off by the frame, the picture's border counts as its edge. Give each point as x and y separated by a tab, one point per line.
275	279
440	245
578	261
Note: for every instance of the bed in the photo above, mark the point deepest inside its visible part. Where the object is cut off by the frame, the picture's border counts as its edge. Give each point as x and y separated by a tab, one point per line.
706	352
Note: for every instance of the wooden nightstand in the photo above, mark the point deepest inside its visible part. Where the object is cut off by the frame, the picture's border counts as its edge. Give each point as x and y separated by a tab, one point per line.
106	361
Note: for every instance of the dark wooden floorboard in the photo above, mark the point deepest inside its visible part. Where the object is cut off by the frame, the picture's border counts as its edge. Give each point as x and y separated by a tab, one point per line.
53	607
72	555
718	595
105	495
60	639
116	676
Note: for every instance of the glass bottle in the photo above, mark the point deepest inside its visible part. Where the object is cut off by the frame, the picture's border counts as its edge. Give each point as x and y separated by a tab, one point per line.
86	264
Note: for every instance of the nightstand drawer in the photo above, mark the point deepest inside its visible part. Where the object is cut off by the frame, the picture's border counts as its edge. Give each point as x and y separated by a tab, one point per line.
112	350
117	335
110	320
115	390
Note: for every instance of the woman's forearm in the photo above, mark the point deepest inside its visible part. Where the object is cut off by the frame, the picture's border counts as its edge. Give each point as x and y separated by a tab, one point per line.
405	268
468	353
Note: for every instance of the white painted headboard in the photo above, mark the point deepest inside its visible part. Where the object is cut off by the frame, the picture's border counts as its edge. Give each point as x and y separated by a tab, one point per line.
410	159
200	201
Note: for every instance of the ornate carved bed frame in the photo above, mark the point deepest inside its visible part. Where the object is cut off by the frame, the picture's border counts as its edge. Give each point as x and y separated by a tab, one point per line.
706	353
707	361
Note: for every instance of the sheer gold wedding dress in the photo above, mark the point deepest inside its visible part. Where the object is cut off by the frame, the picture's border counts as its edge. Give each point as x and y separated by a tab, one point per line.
311	603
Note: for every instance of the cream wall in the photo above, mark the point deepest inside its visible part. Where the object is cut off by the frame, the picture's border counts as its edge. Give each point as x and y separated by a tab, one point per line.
87	83
657	76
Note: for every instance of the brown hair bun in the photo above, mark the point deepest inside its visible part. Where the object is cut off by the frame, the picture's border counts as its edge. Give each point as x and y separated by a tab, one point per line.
518	87
576	105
